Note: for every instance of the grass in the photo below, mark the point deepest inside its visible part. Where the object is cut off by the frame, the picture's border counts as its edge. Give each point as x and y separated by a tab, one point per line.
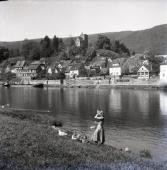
27	141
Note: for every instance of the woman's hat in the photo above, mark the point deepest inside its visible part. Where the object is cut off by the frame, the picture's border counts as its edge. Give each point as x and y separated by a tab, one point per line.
99	115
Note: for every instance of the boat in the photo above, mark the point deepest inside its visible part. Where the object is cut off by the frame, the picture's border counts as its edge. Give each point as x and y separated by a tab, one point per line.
39	85
6	84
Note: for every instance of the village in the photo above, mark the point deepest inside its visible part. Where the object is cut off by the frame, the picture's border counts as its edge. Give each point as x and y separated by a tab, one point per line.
100	70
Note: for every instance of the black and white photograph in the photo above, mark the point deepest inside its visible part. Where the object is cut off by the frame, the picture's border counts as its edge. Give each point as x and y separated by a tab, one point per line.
83	85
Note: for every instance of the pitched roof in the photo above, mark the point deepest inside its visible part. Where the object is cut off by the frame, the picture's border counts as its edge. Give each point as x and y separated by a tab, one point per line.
33	66
119	61
141	69
36	62
20	63
75	66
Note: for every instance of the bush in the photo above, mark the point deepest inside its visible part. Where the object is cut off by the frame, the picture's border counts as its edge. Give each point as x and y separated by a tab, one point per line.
145	154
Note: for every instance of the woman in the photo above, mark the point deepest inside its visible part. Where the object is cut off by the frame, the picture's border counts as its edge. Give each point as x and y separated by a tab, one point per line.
98	135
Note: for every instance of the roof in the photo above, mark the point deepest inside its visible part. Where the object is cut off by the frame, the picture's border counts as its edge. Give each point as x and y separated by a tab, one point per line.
36	62
140	70
20	63
148	67
33	66
75	66
117	62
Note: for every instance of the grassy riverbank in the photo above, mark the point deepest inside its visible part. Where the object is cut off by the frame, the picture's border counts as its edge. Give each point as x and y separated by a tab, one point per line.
27	141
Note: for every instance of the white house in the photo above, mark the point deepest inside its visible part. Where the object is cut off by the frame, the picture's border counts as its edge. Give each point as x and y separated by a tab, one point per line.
143	72
50	70
74	70
163	72
115	70
74	73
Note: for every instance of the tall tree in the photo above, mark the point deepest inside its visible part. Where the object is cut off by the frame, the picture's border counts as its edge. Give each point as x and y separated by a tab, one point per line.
55	44
61	46
46	49
4	53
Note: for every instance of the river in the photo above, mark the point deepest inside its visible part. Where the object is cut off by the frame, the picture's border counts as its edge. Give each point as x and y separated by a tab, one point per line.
133	118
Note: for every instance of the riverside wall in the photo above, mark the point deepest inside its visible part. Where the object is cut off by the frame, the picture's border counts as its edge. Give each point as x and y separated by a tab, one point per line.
99	83
103	83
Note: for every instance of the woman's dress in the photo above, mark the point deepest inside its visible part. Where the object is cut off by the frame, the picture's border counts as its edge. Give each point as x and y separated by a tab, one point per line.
98	135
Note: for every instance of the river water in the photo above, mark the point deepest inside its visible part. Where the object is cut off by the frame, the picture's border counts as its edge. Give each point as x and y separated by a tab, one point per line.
133	118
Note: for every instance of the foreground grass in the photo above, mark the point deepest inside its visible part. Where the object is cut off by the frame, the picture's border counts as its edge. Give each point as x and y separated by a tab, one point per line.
28	142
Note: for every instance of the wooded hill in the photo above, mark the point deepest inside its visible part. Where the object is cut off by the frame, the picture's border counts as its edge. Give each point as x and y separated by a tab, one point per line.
154	39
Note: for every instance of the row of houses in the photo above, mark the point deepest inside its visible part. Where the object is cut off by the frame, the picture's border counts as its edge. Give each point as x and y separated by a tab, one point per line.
26	70
144	71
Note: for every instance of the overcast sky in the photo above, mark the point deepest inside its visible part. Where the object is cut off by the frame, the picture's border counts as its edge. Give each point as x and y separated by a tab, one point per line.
37	18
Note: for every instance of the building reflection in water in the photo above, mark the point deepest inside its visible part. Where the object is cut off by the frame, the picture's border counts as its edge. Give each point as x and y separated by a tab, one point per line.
143	98
163	103
115	101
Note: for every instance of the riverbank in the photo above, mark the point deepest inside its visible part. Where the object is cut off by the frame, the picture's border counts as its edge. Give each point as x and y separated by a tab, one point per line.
99	83
29	142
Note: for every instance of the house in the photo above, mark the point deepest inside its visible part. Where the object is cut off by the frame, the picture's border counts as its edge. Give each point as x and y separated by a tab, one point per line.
54	68
29	71
82	41
35	69
163	72
19	65
143	72
75	70
115	70
95	68
8	69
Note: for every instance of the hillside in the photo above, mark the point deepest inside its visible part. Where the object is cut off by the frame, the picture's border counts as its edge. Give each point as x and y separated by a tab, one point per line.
154	39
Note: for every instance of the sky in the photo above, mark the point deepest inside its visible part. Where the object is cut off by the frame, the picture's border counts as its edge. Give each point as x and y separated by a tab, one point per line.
20	19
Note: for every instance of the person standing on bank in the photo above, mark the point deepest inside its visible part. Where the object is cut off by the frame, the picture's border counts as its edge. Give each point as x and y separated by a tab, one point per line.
98	135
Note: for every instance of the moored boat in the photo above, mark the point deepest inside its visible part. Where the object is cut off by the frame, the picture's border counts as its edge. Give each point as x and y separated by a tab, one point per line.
39	85
6	84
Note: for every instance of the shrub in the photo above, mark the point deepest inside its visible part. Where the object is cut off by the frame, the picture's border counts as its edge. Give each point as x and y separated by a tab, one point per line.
145	154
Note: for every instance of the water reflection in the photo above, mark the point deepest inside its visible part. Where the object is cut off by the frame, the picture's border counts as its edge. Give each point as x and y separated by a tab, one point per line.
115	101
163	103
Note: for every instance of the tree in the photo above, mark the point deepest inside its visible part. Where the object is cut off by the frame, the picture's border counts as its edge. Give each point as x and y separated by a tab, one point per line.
71	42
35	53
46	49
82	70
120	48
55	44
63	55
103	42
30	50
14	52
90	54
4	53
156	61
61	46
